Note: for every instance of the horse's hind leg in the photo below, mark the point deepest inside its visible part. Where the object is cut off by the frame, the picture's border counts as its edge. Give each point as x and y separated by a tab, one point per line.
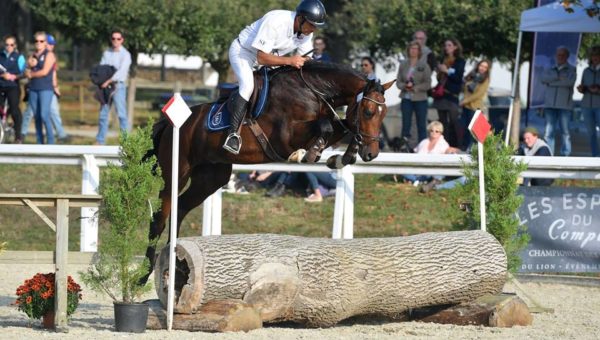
204	181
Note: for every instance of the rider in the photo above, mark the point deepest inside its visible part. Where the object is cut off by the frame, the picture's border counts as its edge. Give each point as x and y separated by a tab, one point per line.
264	42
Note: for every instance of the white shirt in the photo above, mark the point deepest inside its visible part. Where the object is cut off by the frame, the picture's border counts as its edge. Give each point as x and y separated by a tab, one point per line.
274	32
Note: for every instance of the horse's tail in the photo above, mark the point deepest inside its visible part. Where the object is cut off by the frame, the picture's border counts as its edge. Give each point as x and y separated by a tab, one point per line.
157	131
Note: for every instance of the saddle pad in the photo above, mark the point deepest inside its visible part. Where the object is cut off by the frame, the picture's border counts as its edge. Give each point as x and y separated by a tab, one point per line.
218	117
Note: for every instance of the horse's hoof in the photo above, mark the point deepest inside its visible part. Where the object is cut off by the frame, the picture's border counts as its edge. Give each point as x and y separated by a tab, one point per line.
348	160
335	162
297	156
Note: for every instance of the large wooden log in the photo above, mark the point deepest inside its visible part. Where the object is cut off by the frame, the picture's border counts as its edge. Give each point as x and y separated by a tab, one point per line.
319	282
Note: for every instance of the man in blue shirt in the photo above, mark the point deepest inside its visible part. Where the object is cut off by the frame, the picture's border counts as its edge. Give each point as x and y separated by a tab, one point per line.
117	56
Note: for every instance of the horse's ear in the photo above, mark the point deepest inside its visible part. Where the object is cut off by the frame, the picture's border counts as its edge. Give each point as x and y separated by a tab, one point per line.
388	85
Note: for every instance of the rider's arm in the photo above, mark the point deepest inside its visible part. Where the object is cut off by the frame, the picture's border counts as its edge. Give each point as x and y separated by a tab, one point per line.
275	60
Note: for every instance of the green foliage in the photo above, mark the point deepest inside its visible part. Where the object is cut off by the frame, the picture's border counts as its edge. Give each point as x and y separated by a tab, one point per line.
502	201
128	193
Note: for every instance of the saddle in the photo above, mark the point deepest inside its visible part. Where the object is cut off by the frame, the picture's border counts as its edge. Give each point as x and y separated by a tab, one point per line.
218	117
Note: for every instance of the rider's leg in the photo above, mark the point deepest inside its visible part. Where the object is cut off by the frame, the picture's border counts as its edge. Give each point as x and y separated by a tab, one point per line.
241	62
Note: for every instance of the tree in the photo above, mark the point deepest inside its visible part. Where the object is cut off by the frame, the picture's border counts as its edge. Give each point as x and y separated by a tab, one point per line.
502	201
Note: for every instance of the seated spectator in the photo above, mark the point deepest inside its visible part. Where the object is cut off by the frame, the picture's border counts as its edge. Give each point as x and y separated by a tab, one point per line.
252	181
321	184
534	146
282	180
434	144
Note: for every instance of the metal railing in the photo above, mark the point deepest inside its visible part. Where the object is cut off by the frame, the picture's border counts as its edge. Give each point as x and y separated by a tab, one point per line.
91	158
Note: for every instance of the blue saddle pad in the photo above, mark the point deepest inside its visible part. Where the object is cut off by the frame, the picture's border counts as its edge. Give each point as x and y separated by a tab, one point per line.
218	117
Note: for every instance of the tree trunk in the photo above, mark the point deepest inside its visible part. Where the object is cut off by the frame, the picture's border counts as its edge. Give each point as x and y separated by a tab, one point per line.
515	124
319	282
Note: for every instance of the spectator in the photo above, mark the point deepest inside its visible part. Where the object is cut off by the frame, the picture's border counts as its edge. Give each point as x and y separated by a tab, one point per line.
118	57
427	54
534	146
435	144
320	54
450	72
40	87
368	68
558	99
413	80
54	108
477	83
590	104
321	184
276	30
12	66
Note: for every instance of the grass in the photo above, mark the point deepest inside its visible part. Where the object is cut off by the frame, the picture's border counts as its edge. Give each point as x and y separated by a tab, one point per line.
382	208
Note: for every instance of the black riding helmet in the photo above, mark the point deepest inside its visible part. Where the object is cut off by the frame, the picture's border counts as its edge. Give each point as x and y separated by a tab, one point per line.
313	11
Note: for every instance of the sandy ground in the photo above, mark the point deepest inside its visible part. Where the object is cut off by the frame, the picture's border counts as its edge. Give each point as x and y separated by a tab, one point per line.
576	316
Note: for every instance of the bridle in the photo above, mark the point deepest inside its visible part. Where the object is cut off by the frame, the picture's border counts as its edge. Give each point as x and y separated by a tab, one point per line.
361	137
358	136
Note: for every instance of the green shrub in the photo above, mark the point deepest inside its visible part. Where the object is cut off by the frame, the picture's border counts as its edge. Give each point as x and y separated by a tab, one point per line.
129	192
502	201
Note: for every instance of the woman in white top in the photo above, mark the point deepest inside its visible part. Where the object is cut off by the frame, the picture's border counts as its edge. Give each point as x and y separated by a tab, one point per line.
368	68
434	144
265	42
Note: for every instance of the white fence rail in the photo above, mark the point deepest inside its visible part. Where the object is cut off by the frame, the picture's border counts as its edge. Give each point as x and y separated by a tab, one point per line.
91	158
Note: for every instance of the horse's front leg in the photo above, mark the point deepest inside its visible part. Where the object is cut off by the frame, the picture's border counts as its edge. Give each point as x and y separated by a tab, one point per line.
349	157
324	132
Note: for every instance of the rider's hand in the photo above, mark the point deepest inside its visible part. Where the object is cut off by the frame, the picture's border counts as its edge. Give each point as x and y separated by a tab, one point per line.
298	61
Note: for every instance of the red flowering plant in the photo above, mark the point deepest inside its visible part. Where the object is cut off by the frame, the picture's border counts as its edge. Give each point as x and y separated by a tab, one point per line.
35	296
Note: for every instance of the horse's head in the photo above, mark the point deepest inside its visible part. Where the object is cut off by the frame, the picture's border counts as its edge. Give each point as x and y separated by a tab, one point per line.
366	117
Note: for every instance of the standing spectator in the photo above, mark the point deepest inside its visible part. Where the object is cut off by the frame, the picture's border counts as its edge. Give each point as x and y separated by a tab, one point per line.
54	108
450	72
320	54
558	99
40	87
368	68
590	104
12	66
427	54
477	83
118	57
534	146
413	80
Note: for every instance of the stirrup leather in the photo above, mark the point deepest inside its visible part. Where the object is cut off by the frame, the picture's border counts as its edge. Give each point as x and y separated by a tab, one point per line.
232	138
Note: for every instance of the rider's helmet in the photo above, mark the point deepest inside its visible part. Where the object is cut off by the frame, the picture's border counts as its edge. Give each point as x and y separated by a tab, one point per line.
313	11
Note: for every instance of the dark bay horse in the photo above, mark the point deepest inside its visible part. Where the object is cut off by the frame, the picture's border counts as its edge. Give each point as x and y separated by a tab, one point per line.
299	102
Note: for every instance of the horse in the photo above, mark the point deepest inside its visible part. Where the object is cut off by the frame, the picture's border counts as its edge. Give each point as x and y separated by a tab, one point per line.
299	114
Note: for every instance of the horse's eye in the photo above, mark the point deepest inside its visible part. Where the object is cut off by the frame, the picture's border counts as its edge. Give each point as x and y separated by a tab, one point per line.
368	113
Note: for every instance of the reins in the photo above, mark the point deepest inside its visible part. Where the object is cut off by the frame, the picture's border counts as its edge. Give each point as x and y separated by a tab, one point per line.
359	136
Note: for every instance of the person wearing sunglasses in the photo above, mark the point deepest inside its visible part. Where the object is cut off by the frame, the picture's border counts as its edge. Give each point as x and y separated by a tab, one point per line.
118	57
41	88
434	144
367	66
12	66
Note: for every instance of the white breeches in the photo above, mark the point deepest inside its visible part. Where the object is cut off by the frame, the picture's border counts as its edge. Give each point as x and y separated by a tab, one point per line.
242	61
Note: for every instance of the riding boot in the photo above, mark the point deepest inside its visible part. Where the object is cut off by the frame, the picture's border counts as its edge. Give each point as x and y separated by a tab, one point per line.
237	108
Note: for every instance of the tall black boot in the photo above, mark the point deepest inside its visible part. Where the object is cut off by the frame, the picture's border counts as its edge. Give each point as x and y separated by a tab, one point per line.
237	108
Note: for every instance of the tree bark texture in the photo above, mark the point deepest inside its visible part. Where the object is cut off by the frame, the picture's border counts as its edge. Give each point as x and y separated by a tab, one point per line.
319	282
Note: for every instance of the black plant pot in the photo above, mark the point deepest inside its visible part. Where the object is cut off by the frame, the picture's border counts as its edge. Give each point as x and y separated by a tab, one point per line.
131	317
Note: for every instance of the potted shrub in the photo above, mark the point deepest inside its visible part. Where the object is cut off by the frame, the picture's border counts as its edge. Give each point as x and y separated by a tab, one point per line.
129	193
35	297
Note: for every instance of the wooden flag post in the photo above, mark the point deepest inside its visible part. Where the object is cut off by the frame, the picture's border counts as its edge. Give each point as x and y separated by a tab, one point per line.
177	112
479	128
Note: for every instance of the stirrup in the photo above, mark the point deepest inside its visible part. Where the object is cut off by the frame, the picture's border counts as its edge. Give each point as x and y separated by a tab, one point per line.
234	149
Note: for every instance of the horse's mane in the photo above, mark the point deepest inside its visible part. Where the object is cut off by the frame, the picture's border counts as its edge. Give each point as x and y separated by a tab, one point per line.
317	73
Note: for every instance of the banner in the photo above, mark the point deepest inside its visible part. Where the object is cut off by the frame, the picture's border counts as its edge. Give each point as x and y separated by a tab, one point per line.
564	225
544	50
